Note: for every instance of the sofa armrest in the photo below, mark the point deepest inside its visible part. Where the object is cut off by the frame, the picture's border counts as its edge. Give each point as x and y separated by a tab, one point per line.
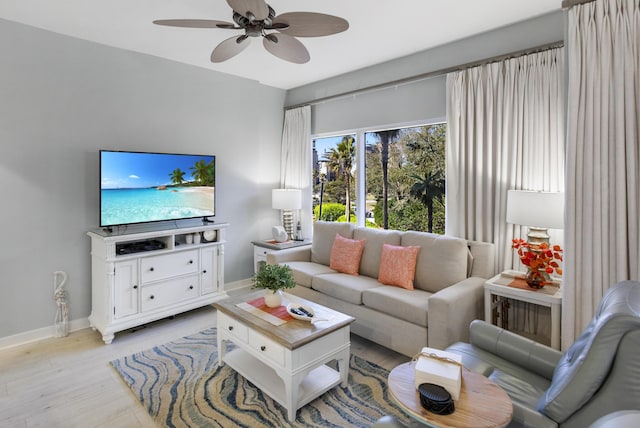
452	309
295	254
514	348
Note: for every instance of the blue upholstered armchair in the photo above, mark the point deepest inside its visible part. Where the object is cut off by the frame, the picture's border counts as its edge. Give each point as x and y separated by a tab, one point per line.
598	375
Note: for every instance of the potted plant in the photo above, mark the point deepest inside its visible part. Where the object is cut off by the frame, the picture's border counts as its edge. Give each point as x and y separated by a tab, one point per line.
540	260
273	279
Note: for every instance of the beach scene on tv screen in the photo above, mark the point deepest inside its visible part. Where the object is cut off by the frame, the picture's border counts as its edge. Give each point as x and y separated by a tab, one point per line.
144	187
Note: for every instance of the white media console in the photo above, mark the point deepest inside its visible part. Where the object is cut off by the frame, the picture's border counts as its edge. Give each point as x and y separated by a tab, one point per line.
144	276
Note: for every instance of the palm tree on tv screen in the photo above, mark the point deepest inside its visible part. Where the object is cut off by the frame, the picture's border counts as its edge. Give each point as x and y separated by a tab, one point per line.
204	173
177	176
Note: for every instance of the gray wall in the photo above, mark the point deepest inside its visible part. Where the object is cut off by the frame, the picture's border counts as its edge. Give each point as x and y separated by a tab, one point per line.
422	100
63	99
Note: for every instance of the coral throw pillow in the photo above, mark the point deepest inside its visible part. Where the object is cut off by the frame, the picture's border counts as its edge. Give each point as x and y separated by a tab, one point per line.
398	265
346	254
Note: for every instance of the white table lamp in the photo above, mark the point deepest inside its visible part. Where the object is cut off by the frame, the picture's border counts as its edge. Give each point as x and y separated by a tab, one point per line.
539	211
287	200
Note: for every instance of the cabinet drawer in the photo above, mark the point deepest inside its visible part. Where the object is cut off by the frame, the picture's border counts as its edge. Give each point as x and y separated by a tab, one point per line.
157	268
170	292
267	347
233	327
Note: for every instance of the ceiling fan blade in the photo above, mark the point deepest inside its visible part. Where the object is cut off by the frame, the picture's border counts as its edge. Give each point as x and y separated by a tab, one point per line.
257	8
286	48
310	24
194	23
229	48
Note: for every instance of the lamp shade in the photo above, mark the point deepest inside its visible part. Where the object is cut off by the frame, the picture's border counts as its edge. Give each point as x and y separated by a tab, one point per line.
536	209
286	199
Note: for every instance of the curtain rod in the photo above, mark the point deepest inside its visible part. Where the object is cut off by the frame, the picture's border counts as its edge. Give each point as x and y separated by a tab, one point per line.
568	4
430	74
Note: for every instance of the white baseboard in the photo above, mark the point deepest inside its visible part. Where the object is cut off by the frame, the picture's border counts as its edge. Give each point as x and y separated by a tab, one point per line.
40	334
79	324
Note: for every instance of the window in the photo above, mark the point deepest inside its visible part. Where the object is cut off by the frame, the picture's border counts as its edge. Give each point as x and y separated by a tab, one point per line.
402	177
334	181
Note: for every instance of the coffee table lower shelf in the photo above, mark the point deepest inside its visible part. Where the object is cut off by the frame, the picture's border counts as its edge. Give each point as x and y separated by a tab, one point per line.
317	381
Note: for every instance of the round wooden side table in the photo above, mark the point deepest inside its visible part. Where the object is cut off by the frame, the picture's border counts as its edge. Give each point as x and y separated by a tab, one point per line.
482	403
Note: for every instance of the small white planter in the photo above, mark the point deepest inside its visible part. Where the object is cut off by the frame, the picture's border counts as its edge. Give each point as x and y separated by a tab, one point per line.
273	299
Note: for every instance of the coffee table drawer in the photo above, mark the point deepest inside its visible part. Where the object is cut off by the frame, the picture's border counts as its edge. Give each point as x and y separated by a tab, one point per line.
233	327
267	347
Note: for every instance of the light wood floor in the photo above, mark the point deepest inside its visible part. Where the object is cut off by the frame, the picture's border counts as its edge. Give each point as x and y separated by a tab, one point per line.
68	382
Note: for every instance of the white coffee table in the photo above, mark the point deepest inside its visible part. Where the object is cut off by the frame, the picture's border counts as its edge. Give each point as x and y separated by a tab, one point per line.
287	362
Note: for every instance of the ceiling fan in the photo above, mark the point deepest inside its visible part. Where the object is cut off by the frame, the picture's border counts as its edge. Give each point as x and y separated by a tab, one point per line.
278	33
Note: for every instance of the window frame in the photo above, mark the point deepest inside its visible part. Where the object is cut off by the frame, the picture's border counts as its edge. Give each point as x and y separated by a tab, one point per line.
360	170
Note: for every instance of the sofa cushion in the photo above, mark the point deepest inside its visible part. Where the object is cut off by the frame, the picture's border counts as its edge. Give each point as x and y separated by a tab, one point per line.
303	272
408	305
442	260
398	265
344	287
346	254
374	238
324	232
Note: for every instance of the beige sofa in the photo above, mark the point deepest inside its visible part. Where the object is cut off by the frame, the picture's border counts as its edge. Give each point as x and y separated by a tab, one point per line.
447	295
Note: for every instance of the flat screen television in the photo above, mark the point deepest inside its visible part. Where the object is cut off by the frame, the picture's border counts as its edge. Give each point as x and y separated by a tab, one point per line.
140	187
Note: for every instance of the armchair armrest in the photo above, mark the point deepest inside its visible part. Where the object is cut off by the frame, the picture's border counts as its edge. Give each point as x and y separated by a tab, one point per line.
295	254
452	309
514	348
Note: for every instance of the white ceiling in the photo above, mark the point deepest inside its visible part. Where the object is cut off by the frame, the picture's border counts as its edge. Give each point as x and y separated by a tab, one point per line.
380	30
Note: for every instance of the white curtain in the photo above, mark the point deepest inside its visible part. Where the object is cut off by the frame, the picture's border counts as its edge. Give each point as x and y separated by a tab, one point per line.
603	161
296	163
504	131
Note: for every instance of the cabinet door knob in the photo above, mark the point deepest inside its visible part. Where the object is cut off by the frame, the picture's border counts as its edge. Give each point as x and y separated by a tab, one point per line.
190	262
262	348
204	271
191	287
135	287
230	327
152	297
150	269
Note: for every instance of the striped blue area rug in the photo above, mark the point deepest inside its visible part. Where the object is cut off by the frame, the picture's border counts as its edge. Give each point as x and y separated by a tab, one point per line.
181	385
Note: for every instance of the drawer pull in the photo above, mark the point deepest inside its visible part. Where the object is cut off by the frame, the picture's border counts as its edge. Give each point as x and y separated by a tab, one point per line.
230	328
262	348
150	269
190	262
152	297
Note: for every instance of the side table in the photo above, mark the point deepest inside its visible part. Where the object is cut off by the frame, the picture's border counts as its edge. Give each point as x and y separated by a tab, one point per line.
549	296
261	248
482	403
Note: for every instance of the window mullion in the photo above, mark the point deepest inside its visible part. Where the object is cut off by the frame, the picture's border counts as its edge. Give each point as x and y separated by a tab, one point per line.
361	188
